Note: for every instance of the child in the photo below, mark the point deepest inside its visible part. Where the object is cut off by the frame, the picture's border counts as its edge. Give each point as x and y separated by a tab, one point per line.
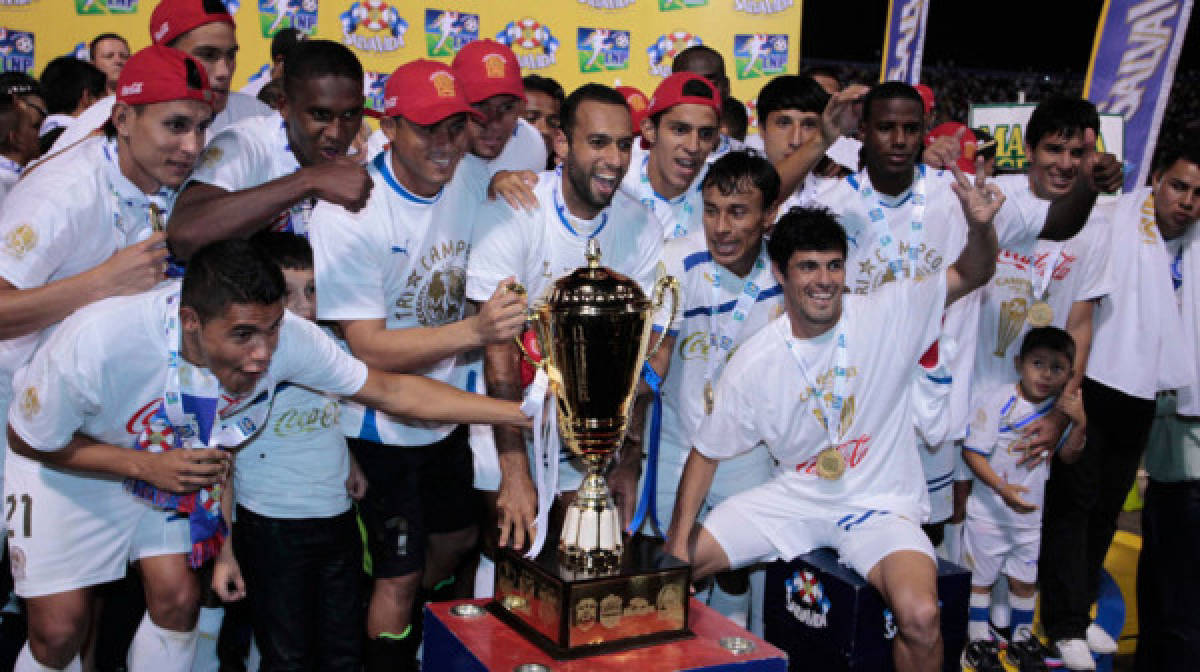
1003	527
295	549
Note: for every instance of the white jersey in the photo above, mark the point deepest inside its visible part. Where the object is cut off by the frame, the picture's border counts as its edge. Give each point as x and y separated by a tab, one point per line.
251	153
297	466
997	418
238	106
764	395
64	219
10	172
725	144
678	216
401	259
1057	273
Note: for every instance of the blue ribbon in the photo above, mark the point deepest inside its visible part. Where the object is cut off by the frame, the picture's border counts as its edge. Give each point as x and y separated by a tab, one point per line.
647	501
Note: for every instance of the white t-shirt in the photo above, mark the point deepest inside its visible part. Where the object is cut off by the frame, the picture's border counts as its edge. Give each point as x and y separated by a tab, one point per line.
763	396
297	466
678	216
251	153
401	259
996	421
10	172
103	372
725	145
61	220
238	106
695	328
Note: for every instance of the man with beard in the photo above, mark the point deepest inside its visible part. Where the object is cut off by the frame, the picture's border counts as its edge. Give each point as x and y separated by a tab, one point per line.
269	171
392	274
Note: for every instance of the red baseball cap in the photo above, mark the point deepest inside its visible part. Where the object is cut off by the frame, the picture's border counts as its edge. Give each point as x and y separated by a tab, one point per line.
424	92
159	74
638	104
670	93
926	97
487	68
966	160
172	18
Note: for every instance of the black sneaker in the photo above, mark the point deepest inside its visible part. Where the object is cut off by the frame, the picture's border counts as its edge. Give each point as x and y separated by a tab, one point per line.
1031	655
981	656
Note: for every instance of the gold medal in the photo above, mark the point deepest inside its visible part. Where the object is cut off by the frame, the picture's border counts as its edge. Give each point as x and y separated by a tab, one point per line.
830	464
1040	314
710	397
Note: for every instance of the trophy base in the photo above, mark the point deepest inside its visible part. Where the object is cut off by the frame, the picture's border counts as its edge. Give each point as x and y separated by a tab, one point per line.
569	613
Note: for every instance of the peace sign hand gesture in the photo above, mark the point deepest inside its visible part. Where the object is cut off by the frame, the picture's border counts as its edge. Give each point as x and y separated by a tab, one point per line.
980	200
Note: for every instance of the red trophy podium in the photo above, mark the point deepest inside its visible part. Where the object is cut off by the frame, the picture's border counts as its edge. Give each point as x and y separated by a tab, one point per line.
463	636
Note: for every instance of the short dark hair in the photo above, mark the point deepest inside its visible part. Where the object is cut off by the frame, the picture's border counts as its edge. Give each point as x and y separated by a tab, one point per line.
695	88
227	272
311	59
545	85
592	92
1051	338
1171	152
100	38
805	229
982	137
791	92
891	91
1060	115
284	41
742	168
733	116
684	58
291	251
64	81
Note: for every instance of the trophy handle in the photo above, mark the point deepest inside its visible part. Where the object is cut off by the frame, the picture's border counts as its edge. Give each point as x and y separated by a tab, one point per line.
660	287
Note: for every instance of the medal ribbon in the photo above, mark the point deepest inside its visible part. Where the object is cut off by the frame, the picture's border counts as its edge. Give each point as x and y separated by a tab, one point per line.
179	429
680	227
545	453
724	336
1037	413
647	501
565	218
1039	281
878	216
840	364
1177	270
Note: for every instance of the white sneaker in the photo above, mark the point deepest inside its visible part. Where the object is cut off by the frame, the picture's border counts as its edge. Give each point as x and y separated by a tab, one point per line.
1099	641
1075	654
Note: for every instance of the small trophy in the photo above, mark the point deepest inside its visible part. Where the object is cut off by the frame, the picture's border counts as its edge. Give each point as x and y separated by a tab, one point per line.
594	328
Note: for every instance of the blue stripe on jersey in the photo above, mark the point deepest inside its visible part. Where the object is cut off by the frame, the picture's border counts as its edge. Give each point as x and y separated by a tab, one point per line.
940	486
370	429
940	380
939	479
472	375
728	305
381	164
691	260
861	519
844	519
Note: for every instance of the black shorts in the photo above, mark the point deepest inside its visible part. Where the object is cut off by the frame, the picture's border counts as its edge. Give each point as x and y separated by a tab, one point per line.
412	492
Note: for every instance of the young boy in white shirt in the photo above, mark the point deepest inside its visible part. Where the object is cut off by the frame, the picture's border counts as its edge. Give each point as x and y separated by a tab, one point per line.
1002	533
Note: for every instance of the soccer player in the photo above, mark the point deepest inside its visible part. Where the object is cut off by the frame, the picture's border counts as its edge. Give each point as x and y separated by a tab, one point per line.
1002	531
681	127
268	172
709	64
393	276
20	118
543	101
1144	343
498	136
828	387
69	86
576	203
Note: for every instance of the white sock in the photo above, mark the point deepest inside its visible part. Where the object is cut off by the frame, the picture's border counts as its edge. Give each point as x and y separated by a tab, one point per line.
160	650
485	577
977	623
27	663
1001	613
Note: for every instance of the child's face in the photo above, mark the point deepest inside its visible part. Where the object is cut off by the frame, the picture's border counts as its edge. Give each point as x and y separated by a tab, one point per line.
301	296
1044	373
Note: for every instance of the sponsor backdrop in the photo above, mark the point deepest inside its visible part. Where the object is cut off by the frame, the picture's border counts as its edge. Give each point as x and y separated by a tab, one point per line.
574	41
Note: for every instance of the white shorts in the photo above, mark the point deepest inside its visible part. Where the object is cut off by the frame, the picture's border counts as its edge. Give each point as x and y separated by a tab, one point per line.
939	467
71	531
770	522
991	550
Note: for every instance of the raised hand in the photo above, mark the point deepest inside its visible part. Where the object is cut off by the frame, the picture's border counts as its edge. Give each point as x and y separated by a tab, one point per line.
841	113
943	151
342	181
516	188
502	317
134	269
980	200
1101	170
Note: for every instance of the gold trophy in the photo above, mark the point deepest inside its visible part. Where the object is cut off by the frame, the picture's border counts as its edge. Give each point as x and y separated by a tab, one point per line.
593	328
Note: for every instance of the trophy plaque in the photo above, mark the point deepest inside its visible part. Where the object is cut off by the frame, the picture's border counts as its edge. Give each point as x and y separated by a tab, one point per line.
591	595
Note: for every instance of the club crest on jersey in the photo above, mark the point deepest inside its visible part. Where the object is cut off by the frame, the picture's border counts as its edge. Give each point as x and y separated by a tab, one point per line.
760	55
30	404
92	7
666	47
806	599
20	240
534	44
275	15
601	49
446	32
373	25
16	50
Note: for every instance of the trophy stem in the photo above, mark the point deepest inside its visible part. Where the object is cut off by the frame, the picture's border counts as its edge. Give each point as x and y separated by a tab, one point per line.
591	536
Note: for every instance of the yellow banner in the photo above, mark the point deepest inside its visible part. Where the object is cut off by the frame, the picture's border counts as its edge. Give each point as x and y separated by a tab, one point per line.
628	42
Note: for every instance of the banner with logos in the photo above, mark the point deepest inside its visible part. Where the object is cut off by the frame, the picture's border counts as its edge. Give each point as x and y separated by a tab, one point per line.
904	41
629	42
1132	67
1006	123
